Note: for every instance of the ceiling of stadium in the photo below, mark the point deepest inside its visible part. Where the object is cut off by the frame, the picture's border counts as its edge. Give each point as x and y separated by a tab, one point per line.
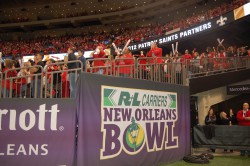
21	3
26	3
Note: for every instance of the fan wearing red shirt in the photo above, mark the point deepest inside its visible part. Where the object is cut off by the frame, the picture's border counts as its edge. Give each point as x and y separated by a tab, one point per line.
186	56
8	73
243	117
211	55
156	53
98	64
125	63
143	66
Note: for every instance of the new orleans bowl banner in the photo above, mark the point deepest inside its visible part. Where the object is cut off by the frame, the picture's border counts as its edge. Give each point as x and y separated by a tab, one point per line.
37	132
131	122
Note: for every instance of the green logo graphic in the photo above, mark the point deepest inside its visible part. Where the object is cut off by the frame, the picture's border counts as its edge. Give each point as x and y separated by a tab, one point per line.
134	136
172	101
108	97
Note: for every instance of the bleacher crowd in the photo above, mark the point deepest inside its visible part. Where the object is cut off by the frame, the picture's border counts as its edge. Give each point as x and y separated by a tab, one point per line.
89	41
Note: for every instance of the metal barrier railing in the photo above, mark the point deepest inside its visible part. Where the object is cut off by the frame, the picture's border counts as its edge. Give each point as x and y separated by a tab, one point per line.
103	68
145	68
57	81
124	67
22	85
56	84
208	66
161	70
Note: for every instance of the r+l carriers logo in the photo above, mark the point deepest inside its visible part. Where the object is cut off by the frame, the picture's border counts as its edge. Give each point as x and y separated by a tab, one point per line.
135	118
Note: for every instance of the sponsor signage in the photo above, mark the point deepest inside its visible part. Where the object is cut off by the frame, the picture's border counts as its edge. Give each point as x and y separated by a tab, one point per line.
37	132
133	119
131	122
238	89
242	11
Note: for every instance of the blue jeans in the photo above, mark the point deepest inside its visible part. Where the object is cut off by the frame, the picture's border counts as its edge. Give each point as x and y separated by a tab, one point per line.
72	84
33	85
6	93
100	71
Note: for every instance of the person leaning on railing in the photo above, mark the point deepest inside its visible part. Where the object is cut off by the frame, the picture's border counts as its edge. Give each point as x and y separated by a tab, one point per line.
125	63
23	83
37	79
6	82
72	74
98	65
155	53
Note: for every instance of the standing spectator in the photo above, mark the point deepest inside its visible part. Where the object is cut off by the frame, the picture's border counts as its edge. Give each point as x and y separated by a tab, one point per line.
23	83
37	80
65	83
143	66
82	59
125	64
6	82
211	56
186	56
232	117
243	51
223	120
243	117
72	73
155	53
98	65
210	119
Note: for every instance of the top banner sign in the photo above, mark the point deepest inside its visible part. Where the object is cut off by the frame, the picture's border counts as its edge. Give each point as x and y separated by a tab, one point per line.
183	34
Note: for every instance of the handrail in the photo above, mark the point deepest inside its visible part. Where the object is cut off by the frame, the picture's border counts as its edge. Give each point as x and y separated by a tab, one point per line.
12	84
147	68
208	66
106	66
53	78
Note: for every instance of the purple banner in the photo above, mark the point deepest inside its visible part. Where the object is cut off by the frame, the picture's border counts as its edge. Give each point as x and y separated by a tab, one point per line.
37	132
131	122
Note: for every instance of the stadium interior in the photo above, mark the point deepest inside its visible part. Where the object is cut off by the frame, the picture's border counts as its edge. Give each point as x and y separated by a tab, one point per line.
51	27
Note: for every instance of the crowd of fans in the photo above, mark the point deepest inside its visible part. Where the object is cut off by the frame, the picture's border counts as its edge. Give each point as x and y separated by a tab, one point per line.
89	41
229	118
151	65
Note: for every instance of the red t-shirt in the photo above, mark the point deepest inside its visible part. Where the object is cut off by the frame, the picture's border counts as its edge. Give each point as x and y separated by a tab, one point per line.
156	53
241	119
